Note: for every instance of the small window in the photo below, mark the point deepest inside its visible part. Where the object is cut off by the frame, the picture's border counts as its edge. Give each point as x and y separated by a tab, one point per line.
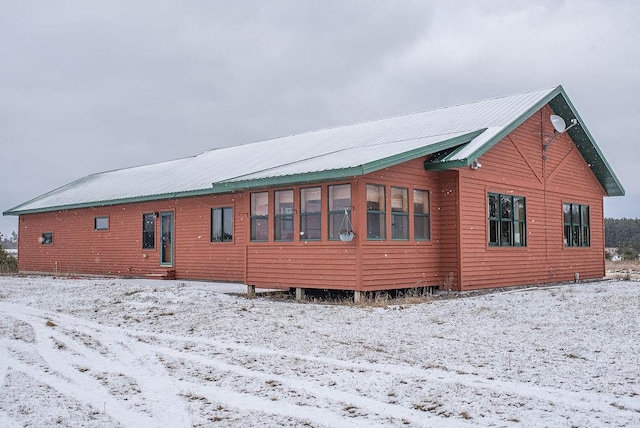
47	238
283	215
101	223
222	224
576	225
399	213
376	212
507	222
310	214
421	220
259	216
339	200
149	231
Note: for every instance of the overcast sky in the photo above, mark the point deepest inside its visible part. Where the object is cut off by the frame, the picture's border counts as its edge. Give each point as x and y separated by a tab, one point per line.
91	86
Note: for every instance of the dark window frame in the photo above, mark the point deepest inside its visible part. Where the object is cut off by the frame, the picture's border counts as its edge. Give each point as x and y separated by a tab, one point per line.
376	215
576	225
95	222
283	219
335	210
255	219
418	218
400	219
149	233
504	221
310	216
224	227
46	238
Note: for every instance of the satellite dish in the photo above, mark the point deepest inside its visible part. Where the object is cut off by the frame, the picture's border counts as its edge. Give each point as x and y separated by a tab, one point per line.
558	123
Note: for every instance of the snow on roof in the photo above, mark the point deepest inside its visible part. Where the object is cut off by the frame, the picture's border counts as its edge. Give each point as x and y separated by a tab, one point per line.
328	153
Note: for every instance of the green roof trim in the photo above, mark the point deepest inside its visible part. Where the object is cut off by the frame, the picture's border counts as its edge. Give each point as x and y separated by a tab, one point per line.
584	141
587	146
336	174
120	201
449	137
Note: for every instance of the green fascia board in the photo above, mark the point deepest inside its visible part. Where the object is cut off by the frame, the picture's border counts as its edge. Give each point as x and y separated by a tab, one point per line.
97	204
444	165
284	180
336	174
562	106
423	151
587	146
231	186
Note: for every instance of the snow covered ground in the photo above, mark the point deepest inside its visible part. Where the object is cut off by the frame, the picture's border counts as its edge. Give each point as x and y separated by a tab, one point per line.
134	353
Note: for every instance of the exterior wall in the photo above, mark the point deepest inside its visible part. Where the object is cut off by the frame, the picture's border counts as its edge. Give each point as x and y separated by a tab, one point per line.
389	264
79	249
457	256
327	264
516	166
323	264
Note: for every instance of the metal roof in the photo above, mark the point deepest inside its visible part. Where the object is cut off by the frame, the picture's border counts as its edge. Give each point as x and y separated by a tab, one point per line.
463	132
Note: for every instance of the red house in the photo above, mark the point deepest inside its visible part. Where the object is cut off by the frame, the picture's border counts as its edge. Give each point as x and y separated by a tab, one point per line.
485	194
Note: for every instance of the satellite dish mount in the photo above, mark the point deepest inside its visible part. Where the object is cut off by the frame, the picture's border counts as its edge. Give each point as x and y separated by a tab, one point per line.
559	127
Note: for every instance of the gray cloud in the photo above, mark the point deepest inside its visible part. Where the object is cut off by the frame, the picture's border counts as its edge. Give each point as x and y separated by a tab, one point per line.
93	86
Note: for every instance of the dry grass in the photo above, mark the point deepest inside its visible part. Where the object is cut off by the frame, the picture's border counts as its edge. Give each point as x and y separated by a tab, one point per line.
624	270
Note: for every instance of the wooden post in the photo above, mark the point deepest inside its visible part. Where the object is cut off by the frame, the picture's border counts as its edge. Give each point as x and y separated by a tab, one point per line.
357	297
251	291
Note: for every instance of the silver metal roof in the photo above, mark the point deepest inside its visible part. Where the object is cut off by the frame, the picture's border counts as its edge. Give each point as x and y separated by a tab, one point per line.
313	156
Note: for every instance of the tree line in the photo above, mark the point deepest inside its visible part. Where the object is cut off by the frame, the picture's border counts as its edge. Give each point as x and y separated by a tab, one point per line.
9	242
623	234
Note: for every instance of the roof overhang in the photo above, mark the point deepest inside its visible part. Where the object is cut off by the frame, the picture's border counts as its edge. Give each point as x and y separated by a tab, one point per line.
561	105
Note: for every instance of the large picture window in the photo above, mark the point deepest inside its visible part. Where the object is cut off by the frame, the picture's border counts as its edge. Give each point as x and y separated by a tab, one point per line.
376	212
399	213
283	215
339	200
222	224
421	220
507	220
576	225
310	214
149	231
260	216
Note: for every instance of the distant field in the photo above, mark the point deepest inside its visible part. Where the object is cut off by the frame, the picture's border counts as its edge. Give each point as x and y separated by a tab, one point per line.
624	269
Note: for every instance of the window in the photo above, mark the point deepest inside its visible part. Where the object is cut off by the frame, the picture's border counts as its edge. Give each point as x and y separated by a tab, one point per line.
283	215
260	216
421	221
376	215
310	212
101	223
339	200
47	238
576	225
149	231
399	213
507	222
222	224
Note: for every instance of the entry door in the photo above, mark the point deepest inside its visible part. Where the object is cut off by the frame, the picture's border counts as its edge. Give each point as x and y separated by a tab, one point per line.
166	232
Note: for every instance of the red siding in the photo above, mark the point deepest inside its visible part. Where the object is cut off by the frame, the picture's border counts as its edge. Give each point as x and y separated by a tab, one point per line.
402	264
456	257
515	166
78	248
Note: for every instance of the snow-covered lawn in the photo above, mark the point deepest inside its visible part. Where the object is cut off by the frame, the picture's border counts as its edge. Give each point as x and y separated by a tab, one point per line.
139	353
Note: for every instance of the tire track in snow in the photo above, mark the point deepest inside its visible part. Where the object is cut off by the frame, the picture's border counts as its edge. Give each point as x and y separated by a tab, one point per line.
111	337
586	401
164	409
